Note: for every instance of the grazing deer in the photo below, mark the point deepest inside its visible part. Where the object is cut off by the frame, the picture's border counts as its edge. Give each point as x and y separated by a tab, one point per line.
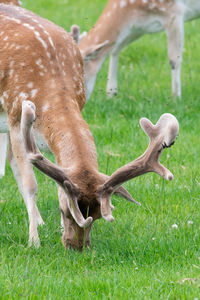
124	21
42	63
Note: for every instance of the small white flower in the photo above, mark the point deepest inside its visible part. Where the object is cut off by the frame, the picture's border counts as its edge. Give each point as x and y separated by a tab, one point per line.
190	222
175	226
153	238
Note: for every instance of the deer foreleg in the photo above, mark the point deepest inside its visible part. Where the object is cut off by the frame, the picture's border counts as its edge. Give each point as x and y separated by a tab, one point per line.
175	39
23	172
112	75
3	150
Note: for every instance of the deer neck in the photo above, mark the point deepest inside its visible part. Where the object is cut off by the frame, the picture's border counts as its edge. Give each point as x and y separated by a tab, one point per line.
69	138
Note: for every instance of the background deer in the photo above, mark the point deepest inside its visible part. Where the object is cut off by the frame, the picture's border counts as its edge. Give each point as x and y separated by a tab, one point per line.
41	62
124	21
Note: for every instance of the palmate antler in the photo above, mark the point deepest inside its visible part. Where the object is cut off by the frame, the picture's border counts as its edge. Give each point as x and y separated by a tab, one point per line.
161	135
47	167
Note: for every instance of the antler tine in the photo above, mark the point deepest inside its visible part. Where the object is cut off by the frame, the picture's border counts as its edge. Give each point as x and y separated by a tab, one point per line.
47	167
161	135
105	201
122	192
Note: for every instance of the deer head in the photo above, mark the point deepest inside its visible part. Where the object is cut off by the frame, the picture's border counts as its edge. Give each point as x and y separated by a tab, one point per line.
86	207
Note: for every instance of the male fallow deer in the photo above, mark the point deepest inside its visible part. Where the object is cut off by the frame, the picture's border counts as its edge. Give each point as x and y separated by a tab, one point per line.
42	80
124	21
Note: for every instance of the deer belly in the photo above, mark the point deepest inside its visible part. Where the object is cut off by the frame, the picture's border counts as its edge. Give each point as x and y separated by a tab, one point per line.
4	128
135	30
40	141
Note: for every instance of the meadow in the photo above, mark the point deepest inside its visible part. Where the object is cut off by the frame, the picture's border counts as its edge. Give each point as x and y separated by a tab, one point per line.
140	255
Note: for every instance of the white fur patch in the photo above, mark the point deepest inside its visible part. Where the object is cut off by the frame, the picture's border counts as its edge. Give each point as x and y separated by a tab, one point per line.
33	93
30	85
122	3
45	107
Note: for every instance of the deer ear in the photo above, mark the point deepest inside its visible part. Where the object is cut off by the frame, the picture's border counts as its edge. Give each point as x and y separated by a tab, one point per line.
93	51
147	127
75	33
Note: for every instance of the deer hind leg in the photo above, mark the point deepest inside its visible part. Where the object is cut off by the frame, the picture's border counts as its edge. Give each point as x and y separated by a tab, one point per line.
112	75
175	38
23	172
3	151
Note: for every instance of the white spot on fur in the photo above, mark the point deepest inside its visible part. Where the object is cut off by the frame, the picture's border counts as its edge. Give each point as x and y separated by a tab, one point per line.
5	95
11	64
30	85
12	46
16	78
23	96
45	107
38	61
33	92
40	39
11	72
75	78
122	3
2	100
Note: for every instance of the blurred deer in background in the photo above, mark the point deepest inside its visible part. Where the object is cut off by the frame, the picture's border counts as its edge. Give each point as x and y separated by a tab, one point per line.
124	21
42	63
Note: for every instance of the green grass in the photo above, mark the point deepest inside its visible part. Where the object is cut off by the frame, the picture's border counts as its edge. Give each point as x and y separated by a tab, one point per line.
140	255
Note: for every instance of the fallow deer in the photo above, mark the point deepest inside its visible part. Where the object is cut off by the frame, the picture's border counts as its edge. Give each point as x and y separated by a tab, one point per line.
42	80
124	21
